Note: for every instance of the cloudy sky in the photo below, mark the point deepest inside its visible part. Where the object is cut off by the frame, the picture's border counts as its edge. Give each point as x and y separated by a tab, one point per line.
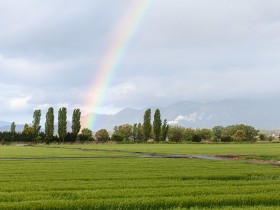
198	50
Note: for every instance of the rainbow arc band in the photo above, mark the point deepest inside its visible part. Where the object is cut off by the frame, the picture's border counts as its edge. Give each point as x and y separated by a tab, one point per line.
121	36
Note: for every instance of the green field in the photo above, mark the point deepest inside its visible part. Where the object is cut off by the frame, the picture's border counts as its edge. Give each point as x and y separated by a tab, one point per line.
49	177
262	151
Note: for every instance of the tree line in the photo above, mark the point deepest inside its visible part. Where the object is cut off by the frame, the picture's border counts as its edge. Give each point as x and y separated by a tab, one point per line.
157	131
33	133
148	131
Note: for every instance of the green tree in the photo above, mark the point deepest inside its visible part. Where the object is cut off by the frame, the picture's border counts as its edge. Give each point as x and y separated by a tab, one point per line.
117	138
217	133
228	133
76	121
147	127
86	135
28	134
134	132
263	137
176	133
28	130
157	125
240	135
164	130
204	134
189	134
139	135
25	126
125	131
62	123
49	124
251	132
13	127
36	121
102	135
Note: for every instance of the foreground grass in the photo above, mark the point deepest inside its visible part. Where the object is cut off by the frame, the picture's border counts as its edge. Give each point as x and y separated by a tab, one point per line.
133	183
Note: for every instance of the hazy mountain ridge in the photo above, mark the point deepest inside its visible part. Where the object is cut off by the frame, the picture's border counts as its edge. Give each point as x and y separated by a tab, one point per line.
7	127
260	114
4	123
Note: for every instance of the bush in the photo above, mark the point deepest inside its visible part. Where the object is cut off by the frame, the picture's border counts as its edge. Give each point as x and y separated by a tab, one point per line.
263	137
70	137
102	135
196	138
117	138
86	135
176	133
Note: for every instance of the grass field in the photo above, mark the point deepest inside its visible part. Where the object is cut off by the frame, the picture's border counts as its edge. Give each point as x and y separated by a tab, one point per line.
68	178
262	151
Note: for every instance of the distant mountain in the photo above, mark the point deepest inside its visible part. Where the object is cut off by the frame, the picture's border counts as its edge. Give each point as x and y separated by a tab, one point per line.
4	123
261	114
125	116
19	128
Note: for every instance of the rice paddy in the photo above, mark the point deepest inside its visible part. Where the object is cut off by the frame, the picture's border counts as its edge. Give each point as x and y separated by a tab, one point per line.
73	178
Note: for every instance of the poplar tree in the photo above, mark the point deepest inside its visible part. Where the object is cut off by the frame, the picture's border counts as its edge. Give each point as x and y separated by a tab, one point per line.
49	124
164	130
134	131
13	127
36	121
147	127
139	132
76	121
157	125
62	123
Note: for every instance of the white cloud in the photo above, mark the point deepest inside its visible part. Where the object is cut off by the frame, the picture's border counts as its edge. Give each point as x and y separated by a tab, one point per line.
193	117
172	122
122	90
18	104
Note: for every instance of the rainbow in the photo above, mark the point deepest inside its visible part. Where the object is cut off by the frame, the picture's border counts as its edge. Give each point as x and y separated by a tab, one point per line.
121	36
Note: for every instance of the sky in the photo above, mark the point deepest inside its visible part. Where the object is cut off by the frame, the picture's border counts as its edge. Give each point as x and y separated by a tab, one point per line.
196	50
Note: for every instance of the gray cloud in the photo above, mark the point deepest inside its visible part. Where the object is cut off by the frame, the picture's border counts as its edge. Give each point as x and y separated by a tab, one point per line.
50	52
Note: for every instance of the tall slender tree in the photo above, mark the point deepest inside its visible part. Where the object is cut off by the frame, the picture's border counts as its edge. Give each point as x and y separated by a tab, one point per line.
76	121
147	127
139	132
134	131
62	123
157	125
13	127
36	121
164	130
49	125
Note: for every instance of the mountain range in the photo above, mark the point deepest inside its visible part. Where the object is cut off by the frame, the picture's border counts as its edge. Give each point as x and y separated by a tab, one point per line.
260	114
